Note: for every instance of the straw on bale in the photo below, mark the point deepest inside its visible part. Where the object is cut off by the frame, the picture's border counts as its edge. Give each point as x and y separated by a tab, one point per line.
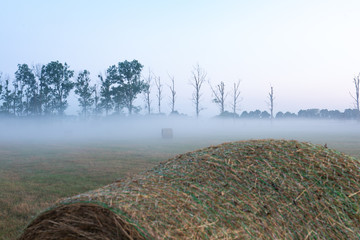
260	189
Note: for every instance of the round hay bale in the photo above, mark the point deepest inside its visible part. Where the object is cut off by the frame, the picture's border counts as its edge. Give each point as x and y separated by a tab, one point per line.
167	133
260	189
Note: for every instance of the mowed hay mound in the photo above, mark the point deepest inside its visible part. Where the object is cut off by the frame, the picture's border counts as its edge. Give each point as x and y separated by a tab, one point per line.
260	189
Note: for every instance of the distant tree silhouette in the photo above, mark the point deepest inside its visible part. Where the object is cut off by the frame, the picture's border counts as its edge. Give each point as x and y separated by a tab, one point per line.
335	114
279	115
351	114
265	115
289	115
255	114
244	114
227	114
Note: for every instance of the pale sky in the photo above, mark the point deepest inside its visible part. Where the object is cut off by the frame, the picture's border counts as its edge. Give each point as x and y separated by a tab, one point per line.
308	50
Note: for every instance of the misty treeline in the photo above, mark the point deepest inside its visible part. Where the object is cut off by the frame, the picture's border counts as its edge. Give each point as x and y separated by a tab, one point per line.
43	90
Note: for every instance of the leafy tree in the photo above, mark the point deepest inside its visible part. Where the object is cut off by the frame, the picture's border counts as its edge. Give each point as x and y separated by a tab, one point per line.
97	105
36	103
126	84
335	114
85	92
351	114
7	97
114	79
324	113
227	114
131	84
27	94
279	115
265	115
309	113
56	86
46	102
255	114
17	97
106	101
244	114
290	115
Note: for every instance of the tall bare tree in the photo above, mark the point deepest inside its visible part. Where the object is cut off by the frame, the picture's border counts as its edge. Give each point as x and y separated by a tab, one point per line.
271	102
173	94
236	97
356	97
219	96
198	78
148	81
159	95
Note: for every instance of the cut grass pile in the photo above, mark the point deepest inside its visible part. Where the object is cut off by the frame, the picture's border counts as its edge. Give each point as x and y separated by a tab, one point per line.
260	189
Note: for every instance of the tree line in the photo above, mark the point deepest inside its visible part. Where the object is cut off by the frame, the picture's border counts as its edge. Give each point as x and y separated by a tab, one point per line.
43	90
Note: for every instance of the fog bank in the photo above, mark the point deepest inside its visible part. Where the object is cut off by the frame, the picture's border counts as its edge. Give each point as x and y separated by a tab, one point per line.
149	129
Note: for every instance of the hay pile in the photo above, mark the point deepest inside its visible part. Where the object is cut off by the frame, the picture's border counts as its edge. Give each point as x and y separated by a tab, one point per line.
263	189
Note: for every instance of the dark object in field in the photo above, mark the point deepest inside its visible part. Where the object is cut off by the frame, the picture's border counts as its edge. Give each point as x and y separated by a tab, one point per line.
261	189
167	133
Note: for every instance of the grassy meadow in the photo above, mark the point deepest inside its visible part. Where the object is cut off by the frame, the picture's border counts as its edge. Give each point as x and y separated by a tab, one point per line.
34	175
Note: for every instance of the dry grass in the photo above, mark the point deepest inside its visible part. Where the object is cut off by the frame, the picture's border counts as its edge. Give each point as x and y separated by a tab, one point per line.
264	189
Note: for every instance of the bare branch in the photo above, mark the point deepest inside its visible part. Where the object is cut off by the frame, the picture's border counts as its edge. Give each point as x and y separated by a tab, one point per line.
236	97
159	92
356	97
198	78
271	103
220	96
173	93
148	81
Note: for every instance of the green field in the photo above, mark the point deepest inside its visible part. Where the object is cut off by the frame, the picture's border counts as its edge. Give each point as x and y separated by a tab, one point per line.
33	176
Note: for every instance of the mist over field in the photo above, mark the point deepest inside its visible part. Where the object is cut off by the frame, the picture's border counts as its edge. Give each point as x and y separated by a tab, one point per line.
184	129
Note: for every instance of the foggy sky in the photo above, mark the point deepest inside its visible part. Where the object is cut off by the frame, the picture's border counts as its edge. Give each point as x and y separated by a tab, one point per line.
307	50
